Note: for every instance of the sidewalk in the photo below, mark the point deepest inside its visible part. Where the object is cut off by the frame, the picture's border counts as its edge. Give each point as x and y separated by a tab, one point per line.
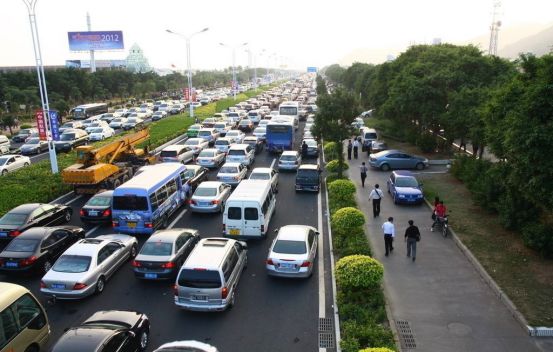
440	299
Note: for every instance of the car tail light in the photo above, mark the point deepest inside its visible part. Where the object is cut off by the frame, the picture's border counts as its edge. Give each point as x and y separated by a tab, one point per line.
106	212
270	262
82	212
168	265
215	201
42	284
306	264
79	286
175	290
136	264
224	292
224	228
14	233
148	225
114	224
262	228
28	261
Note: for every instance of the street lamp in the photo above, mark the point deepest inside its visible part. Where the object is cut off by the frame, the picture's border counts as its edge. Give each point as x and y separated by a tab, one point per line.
188	64
233	64
252	59
42	83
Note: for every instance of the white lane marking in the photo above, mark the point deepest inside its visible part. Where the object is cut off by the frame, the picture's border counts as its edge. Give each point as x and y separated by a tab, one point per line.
74	199
177	219
55	201
89	232
321	268
273	163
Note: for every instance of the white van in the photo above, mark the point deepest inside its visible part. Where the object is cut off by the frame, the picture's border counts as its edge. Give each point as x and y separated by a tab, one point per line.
249	210
368	135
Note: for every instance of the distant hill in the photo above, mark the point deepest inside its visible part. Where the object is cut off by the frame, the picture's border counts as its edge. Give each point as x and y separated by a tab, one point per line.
539	44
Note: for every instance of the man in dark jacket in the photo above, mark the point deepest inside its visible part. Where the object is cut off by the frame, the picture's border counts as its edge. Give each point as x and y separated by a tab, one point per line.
412	236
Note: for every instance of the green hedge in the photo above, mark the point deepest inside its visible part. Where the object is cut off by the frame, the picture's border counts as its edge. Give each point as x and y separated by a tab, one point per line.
359	272
332	166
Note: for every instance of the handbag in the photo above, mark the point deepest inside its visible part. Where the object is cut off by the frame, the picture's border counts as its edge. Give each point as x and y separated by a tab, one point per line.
433	216
418	237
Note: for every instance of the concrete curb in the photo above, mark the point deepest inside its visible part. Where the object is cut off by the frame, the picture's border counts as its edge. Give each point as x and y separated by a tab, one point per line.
439	162
499	293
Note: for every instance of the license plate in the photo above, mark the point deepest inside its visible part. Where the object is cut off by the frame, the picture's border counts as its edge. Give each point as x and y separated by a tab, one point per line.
199	298
11	265
92	213
287	266
58	286
3	234
150	276
131	225
234	232
203	204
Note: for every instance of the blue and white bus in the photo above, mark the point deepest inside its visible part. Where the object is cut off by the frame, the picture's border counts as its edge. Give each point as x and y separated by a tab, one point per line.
145	202
279	136
290	109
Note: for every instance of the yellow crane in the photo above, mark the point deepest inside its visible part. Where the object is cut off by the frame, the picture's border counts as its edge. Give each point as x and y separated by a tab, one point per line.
108	166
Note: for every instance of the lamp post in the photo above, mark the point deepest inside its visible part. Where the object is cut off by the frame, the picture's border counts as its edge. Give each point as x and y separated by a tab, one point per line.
233	64
188	64
31	4
253	60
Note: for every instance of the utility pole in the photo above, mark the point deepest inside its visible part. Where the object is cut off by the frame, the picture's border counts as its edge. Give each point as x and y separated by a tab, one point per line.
494	28
92	61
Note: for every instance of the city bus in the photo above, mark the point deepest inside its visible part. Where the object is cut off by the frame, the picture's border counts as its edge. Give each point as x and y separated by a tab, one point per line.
85	111
279	136
290	108
145	202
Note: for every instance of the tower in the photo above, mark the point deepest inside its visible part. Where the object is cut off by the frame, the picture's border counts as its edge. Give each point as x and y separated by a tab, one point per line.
494	28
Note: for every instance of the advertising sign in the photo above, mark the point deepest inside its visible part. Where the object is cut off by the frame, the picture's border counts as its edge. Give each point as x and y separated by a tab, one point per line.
186	94
99	63
311	69
41	124
104	40
55	125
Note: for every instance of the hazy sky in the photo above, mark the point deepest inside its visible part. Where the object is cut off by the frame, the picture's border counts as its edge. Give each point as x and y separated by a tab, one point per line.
300	33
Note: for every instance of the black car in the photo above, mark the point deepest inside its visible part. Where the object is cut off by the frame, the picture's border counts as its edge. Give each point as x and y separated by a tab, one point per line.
38	248
98	208
107	331
308	178
195	175
25	216
70	139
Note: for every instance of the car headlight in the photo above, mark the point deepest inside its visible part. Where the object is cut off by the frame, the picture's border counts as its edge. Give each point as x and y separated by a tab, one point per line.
401	195
419	195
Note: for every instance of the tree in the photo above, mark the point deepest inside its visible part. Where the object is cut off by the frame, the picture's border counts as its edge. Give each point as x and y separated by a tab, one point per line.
333	119
321	85
334	73
9	121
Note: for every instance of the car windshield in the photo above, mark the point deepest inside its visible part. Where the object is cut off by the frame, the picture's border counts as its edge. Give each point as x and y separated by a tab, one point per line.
157	248
245	122
131	120
228	170
130	202
4	160
221	142
22	245
233	133
207	154
194	127
260	176
168	153
307	174
406	182
204	133
67	125
205	192
260	130
290	247
288	157
192	142
199	278
99	201
13	219
67	136
33	141
311	143
97	130
72	264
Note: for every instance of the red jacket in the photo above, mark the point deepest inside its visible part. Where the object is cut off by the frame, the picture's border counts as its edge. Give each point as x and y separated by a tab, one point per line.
440	210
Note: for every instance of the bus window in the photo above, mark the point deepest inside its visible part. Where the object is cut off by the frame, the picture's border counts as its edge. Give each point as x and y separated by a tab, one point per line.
130	203
250	214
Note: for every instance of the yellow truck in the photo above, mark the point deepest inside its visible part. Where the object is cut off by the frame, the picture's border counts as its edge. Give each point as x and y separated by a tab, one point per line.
108	166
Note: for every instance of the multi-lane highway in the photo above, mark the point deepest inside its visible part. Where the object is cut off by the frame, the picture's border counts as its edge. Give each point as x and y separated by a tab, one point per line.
270	314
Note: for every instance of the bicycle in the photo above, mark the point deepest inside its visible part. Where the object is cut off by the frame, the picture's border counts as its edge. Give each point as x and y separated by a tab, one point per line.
444	225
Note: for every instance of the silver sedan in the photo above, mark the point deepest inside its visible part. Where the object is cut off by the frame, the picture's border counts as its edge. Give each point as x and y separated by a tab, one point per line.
232	173
211	158
210	197
84	268
293	251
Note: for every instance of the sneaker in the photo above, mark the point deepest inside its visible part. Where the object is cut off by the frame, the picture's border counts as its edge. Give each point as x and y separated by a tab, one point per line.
413	258
431	229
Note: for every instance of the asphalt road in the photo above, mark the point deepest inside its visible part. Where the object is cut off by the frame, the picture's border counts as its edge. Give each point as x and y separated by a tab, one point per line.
270	314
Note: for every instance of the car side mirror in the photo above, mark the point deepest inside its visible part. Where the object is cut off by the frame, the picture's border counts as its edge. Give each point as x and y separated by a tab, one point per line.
317	233
275	230
131	334
243	244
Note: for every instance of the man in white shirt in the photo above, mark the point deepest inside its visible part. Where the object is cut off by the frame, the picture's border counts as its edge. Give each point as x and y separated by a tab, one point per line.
355	148
376	195
389	234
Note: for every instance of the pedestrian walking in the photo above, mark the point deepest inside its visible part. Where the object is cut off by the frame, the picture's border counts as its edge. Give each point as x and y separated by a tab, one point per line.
355	148
389	234
350	147
369	149
363	168
376	196
412	236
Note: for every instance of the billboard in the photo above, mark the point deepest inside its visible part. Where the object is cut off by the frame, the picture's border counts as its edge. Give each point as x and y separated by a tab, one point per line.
311	69
99	63
105	40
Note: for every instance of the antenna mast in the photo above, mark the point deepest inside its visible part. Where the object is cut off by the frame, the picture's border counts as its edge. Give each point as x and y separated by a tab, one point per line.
494	28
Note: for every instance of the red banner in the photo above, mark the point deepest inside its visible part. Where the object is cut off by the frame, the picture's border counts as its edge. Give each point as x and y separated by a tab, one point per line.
186	94
41	124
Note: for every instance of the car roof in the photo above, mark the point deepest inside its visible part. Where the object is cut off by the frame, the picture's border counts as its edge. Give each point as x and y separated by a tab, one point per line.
87	246
174	147
239	146
108	193
25	208
77	337
168	235
208	253
403	173
209	184
262	169
290	152
36	233
232	164
309	166
293	232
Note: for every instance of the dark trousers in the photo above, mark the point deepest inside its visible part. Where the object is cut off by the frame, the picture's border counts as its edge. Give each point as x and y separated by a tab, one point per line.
355	150
363	177
349	153
388	240
376	207
412	247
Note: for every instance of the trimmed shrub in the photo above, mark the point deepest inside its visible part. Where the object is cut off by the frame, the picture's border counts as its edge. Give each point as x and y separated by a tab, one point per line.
363	335
359	272
25	125
333	177
341	188
348	218
376	349
332	166
350	242
426	143
330	150
539	237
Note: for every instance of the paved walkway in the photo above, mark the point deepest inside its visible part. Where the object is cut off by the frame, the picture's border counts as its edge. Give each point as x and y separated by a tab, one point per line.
441	296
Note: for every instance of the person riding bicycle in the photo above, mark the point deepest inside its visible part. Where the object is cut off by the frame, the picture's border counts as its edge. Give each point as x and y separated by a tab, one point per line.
440	211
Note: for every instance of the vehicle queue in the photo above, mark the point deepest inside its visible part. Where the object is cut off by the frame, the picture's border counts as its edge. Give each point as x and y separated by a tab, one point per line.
206	271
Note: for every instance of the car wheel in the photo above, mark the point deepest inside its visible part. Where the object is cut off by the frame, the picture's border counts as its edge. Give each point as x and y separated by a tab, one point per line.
46	266
115	184
67	216
419	166
165	222
232	300
26	164
100	285
32	348
4	172
144	339
384	167
134	251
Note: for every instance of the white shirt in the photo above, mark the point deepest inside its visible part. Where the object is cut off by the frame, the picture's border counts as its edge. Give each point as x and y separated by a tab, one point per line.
363	168
375	194
355	143
389	228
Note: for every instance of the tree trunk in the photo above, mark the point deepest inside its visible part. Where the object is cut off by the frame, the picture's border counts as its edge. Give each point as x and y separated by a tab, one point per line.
340	147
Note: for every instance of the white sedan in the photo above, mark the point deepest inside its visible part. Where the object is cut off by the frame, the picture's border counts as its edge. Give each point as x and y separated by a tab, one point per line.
236	135
11	162
293	251
101	133
118	122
